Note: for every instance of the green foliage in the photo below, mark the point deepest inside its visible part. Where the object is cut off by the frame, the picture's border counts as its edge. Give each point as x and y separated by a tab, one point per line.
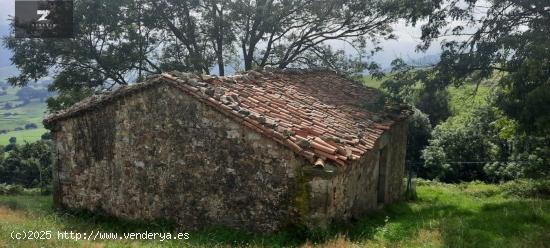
46	136
527	188
417	139
456	154
31	126
480	143
29	165
529	157
120	41
67	96
6	189
108	46
511	37
420	87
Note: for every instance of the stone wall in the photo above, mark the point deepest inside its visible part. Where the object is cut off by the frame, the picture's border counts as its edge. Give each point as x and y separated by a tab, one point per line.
161	154
342	194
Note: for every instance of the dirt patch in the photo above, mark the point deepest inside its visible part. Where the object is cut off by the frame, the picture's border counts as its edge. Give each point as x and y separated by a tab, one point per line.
10	216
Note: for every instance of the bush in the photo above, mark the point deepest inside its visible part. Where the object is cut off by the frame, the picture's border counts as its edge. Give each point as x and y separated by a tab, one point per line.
418	136
527	188
31	126
6	189
46	136
29	165
453	152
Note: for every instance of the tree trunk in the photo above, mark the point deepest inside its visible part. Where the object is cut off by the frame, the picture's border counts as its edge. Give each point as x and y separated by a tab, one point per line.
219	43
219	54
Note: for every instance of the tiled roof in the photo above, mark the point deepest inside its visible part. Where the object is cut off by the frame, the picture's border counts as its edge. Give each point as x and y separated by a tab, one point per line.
317	113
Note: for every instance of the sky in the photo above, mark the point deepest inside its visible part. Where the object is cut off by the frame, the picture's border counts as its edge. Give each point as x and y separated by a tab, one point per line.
404	46
6	9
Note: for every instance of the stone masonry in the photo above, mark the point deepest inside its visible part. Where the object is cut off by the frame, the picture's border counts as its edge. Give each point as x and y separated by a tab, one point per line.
259	151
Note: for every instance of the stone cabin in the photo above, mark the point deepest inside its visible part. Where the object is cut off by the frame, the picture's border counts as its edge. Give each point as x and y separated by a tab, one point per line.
257	151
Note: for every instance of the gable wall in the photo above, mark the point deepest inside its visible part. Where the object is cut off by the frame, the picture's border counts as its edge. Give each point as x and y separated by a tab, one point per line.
161	154
353	191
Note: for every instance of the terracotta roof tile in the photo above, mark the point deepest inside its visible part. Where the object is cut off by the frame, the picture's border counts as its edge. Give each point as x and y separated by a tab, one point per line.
318	114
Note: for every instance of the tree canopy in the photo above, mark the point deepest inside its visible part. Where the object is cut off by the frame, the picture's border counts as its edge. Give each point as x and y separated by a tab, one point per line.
120	41
508	38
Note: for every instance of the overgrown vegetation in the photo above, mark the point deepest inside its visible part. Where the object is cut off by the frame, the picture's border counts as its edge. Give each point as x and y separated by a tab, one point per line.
28	165
476	141
466	215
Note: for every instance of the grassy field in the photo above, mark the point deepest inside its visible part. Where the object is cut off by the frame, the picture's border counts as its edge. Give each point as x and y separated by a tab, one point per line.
372	82
30	135
31	113
466	215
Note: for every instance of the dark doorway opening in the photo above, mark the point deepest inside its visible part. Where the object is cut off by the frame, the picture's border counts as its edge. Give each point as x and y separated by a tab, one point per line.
382	171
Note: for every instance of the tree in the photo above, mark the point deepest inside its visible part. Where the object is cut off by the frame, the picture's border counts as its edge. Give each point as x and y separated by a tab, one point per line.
29	165
421	87
417	139
219	30
31	126
510	38
108	49
12	145
292	29
120	41
185	34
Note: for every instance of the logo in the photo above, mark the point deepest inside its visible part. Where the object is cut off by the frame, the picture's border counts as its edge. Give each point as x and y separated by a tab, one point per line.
43	19
43	14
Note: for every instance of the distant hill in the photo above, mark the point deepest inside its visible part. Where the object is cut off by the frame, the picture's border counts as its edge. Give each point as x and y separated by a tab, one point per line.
427	60
17	117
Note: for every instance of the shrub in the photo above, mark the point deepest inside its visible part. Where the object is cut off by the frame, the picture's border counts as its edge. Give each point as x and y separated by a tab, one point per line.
419	133
29	165
527	188
6	189
46	136
31	126
452	153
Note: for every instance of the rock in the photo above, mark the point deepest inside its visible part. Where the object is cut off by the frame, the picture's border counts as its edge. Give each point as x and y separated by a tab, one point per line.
209	91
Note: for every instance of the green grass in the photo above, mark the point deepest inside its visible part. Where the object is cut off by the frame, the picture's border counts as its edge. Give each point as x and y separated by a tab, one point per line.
465	98
31	113
465	215
372	82
30	136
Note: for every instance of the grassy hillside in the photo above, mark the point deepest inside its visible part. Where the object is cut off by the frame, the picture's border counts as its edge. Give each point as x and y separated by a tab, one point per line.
18	117
372	82
465	215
